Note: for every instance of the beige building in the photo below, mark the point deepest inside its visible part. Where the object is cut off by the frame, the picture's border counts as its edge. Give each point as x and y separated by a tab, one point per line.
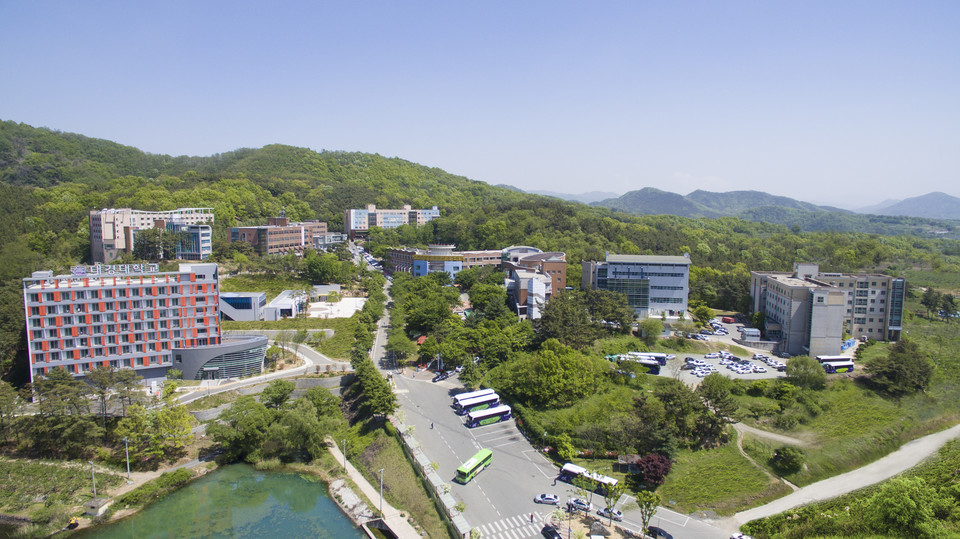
358	222
280	236
112	230
808	311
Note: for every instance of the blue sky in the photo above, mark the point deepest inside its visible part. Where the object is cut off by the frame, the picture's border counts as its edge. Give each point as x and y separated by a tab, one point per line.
843	103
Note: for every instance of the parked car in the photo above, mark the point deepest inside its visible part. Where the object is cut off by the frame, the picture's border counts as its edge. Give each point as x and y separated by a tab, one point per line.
609	512
784	355
688	367
549	499
739	535
441	376
759	369
658	533
549	532
579	504
712	355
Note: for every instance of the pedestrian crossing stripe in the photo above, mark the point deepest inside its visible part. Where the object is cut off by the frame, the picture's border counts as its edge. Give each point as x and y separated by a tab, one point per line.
515	527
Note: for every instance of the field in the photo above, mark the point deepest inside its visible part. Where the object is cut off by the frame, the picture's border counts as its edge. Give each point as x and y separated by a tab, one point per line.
336	347
273	285
48	492
720	480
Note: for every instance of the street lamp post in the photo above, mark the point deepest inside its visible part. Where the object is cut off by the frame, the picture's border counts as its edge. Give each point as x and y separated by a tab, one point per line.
126	450
380	471
93	478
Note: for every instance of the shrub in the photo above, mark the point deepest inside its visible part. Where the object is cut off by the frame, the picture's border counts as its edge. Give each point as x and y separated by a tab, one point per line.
654	469
787	460
787	421
758	388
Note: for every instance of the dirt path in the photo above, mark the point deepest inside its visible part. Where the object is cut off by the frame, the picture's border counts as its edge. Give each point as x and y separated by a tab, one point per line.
755	463
909	455
772	436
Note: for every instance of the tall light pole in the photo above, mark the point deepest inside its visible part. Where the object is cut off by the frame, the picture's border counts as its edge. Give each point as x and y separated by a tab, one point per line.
93	478
126	449
380	471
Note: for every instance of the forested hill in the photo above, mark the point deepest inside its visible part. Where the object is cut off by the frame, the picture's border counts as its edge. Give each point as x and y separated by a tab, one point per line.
764	207
50	180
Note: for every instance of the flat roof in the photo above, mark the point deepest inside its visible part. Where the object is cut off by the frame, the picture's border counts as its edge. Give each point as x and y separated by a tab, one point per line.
649	259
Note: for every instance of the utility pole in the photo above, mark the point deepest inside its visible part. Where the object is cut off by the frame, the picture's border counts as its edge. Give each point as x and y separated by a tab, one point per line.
380	471
126	449
93	478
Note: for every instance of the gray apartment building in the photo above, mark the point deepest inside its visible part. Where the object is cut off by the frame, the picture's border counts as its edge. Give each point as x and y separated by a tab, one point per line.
654	285
808	311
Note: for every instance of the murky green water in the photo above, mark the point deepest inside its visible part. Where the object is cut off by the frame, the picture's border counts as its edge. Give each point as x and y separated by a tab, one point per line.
238	501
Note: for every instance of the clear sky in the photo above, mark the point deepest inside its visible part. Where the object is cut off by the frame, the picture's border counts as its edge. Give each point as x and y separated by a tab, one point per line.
844	103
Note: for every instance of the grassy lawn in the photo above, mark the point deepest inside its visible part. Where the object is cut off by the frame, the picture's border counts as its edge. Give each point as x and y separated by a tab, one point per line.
401	486
721	480
271	284
336	347
212	401
49	493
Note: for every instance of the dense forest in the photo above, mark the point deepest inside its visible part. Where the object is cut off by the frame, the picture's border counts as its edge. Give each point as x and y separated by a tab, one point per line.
50	180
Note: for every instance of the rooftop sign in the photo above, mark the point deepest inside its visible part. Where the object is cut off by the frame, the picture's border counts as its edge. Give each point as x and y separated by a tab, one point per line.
113	269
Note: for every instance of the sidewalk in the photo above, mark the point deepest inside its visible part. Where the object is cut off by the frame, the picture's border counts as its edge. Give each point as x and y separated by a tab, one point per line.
391	516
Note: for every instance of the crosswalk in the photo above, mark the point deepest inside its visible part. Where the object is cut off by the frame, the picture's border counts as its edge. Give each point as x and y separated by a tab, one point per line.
516	527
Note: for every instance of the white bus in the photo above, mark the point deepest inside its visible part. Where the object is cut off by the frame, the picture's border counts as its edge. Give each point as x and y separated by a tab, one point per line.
833	367
600	483
821	359
489	416
457	399
478	403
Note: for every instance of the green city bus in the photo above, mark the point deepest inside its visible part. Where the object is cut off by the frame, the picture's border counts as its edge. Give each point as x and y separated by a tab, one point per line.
473	466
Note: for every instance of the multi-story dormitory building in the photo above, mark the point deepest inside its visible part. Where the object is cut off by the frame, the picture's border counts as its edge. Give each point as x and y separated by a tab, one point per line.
358	222
133	316
113	231
808	311
280	236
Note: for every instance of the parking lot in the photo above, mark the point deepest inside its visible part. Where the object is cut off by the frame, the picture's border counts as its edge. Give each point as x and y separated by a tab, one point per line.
751	366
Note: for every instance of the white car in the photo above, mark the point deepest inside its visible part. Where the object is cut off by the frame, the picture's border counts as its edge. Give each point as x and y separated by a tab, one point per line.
759	368
738	535
712	355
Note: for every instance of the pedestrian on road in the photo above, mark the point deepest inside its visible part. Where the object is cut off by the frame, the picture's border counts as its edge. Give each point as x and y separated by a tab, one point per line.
531	517
431	425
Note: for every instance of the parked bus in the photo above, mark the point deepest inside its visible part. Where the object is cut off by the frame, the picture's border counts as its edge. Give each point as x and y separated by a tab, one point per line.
478	403
821	359
652	365
659	357
833	367
457	399
600	483
473	466
488	416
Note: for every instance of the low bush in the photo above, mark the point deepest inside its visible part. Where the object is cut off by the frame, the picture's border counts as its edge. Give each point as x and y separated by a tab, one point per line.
151	490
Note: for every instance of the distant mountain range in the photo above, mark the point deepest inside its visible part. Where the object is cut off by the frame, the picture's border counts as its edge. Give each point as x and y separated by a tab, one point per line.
931	205
650	200
931	214
586	198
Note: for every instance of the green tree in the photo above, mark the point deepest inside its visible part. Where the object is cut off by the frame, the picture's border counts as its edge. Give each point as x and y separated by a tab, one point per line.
650	330
611	495
102	380
759	321
242	429
905	369
715	390
276	394
787	460
806	372
906	507
931	299
565	318
647	502
702	313
9	406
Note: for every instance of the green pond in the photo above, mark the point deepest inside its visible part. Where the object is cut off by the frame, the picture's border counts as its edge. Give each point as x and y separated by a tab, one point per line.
238	501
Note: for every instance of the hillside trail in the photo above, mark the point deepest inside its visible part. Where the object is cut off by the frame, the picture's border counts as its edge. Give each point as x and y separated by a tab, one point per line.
772	436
